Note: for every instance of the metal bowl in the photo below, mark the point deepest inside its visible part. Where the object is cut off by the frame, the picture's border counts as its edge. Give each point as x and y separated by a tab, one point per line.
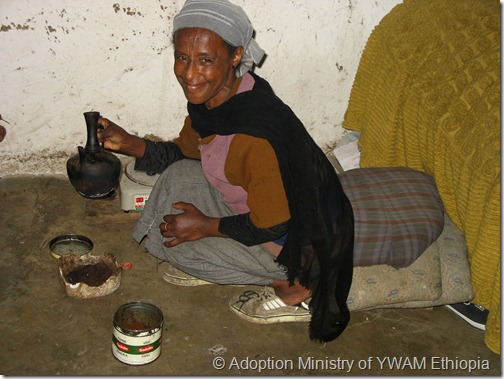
70	244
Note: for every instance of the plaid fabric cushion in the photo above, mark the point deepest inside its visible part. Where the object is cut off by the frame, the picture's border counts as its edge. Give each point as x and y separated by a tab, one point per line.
398	214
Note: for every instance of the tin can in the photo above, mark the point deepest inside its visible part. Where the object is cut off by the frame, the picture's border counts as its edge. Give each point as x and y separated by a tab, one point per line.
137	331
70	244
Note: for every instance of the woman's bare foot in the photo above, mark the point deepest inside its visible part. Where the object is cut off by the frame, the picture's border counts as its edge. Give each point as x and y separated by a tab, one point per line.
290	295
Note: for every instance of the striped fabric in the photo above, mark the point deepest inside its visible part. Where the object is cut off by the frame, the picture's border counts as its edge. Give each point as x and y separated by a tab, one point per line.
398	214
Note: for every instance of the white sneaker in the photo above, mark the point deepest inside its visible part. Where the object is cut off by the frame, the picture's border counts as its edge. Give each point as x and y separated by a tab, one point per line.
175	276
267	308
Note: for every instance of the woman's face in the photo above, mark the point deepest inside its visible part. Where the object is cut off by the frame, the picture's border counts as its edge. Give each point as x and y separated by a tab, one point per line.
204	66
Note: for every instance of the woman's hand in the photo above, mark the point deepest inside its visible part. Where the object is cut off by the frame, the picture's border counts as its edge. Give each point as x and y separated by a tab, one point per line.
114	138
190	225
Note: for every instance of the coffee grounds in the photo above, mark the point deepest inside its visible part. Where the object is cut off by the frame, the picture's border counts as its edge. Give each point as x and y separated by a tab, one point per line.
93	275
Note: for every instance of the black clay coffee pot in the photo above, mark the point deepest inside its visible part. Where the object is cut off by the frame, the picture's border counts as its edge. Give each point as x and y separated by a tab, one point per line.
93	171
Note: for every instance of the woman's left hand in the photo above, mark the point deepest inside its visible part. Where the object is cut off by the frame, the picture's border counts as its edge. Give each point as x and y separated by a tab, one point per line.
190	225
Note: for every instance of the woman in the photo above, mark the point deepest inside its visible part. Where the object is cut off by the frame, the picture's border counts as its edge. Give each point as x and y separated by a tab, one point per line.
258	202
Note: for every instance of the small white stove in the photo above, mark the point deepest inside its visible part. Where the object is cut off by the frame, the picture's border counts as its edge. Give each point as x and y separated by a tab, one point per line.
135	187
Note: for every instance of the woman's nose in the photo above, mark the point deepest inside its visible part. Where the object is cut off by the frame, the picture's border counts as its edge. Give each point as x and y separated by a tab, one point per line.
191	70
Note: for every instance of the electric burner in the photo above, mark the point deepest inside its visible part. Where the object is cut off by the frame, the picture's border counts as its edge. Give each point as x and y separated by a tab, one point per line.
135	187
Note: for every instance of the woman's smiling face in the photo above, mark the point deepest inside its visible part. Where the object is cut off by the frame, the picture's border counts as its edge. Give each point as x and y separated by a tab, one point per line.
204	67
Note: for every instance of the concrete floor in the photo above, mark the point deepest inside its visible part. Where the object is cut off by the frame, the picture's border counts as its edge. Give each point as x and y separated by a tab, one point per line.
45	332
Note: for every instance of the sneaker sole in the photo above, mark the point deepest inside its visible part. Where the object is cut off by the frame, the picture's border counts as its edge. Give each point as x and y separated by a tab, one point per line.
183	282
172	275
272	319
466	319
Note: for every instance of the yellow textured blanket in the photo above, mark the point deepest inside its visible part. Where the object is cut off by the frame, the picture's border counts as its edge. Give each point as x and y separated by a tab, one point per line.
427	96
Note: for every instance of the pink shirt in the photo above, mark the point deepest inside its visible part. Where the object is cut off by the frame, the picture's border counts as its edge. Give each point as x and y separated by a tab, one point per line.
213	160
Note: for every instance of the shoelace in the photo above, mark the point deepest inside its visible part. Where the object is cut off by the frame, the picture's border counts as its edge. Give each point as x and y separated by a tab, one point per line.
249	295
274	303
481	308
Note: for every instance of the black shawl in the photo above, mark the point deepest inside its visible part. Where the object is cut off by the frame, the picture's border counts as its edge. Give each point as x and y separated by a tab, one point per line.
318	251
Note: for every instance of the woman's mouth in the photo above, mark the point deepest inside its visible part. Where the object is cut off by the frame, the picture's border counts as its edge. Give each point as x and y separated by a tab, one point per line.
193	87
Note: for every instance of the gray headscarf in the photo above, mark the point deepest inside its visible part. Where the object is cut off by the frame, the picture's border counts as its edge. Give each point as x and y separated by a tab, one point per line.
225	19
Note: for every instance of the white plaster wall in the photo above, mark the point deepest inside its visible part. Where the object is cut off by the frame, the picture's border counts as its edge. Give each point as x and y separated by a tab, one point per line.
60	58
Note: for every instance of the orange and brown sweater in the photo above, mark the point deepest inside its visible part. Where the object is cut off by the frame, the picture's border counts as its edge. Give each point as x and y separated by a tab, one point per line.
243	168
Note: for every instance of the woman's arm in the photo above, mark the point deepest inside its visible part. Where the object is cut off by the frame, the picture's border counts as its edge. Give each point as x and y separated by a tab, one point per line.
115	138
150	156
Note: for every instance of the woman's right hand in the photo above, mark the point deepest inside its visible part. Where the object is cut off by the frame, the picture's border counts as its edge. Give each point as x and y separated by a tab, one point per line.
114	138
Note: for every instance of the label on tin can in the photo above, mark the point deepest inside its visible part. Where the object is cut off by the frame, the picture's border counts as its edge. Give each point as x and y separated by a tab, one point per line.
136	338
136	350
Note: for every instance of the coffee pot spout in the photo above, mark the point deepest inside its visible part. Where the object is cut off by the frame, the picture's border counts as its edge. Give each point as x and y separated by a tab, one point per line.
82	153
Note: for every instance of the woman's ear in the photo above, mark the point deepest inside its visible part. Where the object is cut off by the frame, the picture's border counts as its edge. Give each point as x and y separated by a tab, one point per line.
237	56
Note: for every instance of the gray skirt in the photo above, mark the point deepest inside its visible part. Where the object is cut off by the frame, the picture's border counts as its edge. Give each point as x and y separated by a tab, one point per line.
214	259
